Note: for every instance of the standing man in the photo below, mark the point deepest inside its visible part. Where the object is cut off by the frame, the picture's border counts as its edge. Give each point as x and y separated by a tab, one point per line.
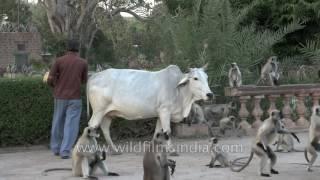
66	76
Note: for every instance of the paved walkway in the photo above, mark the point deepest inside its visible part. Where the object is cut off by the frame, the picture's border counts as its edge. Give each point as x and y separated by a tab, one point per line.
28	165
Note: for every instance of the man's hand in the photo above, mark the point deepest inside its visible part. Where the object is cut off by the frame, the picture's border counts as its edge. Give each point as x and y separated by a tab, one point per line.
46	77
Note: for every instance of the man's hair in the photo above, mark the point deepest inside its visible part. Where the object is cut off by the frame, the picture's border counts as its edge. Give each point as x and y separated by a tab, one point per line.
73	45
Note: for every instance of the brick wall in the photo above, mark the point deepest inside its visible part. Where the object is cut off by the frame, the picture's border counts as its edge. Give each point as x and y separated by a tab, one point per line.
9	45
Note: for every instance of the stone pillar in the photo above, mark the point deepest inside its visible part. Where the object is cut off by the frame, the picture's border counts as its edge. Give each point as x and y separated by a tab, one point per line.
272	100
286	110
243	114
315	99
301	110
257	112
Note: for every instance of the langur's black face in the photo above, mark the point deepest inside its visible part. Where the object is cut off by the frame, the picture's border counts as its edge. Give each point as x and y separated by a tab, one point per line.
280	124
274	58
276	115
316	110
232	105
214	140
92	132
233	65
161	137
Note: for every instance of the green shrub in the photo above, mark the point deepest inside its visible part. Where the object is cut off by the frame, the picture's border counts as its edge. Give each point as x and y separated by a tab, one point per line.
26	109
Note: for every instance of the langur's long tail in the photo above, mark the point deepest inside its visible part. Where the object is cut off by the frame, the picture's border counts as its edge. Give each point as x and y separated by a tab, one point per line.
88	103
235	163
306	155
298	150
113	174
275	143
44	173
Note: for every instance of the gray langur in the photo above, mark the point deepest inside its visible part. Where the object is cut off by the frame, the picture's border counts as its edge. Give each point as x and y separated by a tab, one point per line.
285	141
85	157
214	112
265	136
227	123
235	79
196	115
270	73
217	154
84	163
155	162
314	137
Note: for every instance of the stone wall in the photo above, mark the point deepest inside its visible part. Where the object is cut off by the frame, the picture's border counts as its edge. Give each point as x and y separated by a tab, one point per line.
9	42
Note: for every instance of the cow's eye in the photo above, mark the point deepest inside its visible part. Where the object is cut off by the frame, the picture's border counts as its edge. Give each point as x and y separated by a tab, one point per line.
195	78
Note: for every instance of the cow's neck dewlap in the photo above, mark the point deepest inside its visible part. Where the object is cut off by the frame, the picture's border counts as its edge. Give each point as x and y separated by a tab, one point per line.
186	98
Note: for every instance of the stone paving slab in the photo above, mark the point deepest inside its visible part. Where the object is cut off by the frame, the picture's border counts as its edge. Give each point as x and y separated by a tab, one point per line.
28	165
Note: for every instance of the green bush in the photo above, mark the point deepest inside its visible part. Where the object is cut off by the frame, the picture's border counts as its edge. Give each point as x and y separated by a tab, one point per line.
26	109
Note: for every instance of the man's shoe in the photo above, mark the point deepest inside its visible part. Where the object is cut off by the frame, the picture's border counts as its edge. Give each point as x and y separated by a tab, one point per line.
65	157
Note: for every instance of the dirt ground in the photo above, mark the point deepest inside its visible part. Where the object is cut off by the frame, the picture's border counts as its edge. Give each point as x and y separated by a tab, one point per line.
17	164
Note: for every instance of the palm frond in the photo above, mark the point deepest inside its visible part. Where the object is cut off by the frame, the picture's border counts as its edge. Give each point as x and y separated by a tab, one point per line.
311	50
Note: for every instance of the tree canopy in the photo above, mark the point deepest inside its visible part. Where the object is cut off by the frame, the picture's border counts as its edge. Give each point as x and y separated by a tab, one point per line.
183	32
10	10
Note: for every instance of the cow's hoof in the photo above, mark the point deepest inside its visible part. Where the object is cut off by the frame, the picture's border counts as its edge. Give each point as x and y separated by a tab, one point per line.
174	153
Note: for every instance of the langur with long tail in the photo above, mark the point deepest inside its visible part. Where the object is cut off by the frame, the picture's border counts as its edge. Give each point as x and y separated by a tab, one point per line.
270	74
265	136
285	141
235	78
314	137
85	158
217	154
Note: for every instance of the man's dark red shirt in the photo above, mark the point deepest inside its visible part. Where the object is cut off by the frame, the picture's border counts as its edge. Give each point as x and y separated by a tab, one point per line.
66	76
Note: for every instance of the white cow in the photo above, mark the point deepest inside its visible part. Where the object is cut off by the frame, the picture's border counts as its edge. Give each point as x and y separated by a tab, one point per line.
136	94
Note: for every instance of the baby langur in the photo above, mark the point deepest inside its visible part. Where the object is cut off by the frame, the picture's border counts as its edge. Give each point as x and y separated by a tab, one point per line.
235	79
227	123
217	155
270	73
285	141
265	136
314	137
155	162
85	158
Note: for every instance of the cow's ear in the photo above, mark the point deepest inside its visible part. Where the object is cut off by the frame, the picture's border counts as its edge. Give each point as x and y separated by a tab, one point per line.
183	81
205	67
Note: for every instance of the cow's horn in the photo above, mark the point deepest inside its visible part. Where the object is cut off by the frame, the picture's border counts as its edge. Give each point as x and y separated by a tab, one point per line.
205	67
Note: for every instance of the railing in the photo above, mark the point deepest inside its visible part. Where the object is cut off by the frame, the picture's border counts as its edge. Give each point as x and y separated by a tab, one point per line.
272	93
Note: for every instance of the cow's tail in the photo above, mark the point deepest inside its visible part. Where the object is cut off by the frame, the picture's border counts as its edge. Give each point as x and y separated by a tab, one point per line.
88	103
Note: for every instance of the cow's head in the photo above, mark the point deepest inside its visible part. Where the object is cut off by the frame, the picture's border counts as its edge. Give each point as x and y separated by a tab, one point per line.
197	82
